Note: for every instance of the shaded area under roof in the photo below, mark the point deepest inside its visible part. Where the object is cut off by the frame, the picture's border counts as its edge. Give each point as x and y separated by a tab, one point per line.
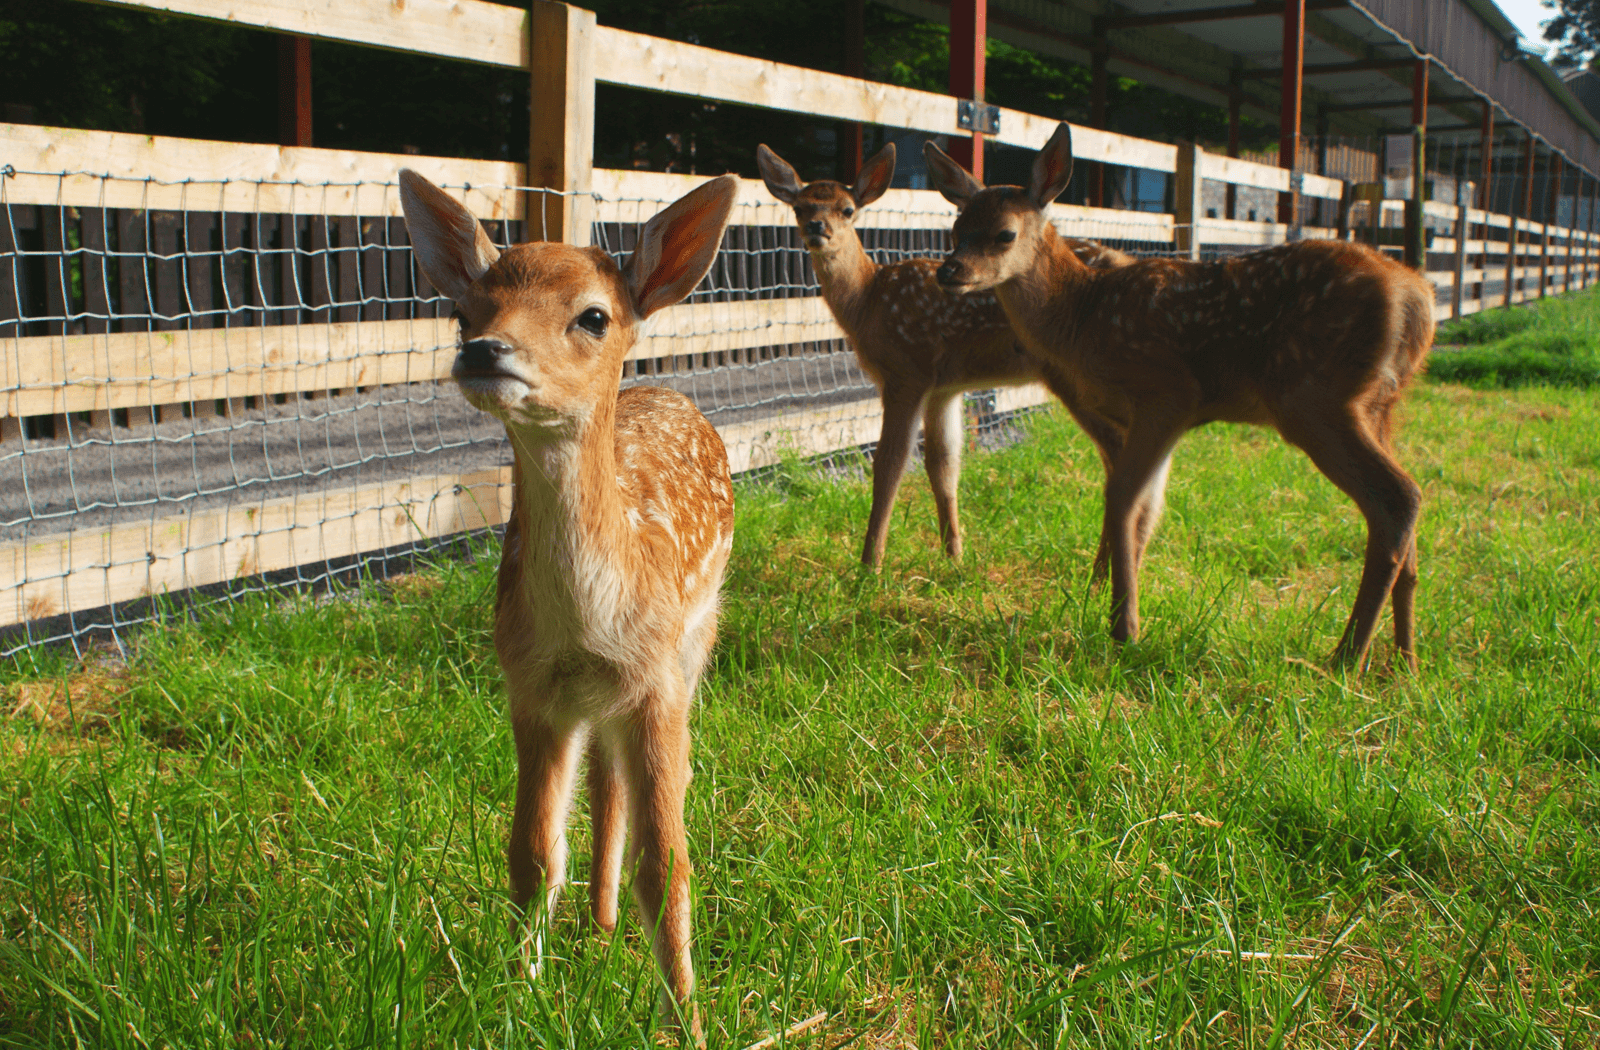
1476	55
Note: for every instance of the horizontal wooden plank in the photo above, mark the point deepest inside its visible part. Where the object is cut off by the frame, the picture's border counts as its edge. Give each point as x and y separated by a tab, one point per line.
107	169
84	570
44	375
702	328
472	30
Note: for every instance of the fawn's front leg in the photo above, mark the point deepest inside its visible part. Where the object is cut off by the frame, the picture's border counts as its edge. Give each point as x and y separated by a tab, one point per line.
900	410
943	433
654	745
547	762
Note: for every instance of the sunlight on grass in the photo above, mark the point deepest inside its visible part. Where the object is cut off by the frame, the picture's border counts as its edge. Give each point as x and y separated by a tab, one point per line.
937	803
1554	341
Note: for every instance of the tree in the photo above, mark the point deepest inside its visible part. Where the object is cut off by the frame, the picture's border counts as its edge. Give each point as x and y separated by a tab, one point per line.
1575	31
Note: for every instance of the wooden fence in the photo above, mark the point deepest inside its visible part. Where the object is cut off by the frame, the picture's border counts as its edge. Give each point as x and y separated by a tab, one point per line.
210	331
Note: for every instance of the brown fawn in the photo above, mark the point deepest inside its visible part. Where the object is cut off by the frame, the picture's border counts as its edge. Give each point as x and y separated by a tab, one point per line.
621	525
1317	339
922	346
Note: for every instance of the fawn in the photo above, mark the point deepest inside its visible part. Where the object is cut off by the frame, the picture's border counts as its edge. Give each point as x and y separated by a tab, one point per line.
621	526
1317	339
922	346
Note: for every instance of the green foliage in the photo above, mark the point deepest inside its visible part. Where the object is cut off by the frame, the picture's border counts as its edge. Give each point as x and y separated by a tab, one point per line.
1552	341
937	802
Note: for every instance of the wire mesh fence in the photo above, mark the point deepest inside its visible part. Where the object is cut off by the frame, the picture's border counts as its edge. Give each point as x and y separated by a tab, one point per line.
245	384
214	387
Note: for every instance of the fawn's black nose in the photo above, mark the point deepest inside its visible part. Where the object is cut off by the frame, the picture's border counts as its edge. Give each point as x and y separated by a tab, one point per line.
814	228
947	272
481	355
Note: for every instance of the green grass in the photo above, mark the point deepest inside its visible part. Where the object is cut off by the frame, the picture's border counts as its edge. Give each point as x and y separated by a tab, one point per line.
1553	341
937	803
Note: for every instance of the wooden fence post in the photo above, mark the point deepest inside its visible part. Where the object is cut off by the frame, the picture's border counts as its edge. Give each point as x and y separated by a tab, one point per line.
1186	198
561	121
1463	227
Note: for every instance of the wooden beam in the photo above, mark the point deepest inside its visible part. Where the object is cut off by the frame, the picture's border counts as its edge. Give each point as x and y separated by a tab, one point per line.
1216	14
1099	85
561	121
1186	198
471	30
73	571
70	572
1398	103
149	172
1294	52
1328	68
46	375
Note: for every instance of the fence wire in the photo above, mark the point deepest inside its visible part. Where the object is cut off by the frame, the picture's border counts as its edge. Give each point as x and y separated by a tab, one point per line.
211	388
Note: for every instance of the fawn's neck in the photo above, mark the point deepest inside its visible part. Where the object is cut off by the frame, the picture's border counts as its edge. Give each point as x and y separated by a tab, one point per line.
576	550
845	272
1049	291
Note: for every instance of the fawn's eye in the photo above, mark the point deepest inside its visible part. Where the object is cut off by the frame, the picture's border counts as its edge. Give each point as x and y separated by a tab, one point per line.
849	212
594	321
1005	236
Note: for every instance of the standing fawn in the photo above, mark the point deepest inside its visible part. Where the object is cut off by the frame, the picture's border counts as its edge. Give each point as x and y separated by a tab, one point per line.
922	346
1316	339
621	525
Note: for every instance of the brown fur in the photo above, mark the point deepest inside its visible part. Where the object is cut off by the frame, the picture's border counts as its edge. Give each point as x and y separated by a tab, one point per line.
922	346
621	527
1316	339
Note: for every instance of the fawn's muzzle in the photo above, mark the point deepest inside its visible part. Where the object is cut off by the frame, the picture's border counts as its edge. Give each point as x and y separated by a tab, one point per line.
814	228
482	356
949	272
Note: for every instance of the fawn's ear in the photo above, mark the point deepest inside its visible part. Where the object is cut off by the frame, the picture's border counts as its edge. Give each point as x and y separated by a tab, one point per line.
949	178
875	177
780	177
452	249
1052	168
677	246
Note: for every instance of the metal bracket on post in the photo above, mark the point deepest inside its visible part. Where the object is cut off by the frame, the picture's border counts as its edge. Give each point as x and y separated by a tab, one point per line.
978	117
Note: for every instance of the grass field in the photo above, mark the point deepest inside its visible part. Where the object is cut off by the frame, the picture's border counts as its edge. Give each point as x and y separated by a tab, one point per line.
938	803
1549	341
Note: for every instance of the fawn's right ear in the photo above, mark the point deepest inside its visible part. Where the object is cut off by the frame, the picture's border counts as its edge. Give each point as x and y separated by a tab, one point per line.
1052	168
452	249
677	246
780	177
949	178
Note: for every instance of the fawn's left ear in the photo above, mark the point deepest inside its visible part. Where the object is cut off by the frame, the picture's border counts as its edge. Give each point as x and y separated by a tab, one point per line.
1052	168
876	174
949	178
677	246
452	249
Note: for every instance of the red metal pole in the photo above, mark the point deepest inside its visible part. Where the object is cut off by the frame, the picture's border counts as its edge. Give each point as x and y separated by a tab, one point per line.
1487	148
294	90
855	65
969	31
1419	95
1294	54
1230	204
1098	85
